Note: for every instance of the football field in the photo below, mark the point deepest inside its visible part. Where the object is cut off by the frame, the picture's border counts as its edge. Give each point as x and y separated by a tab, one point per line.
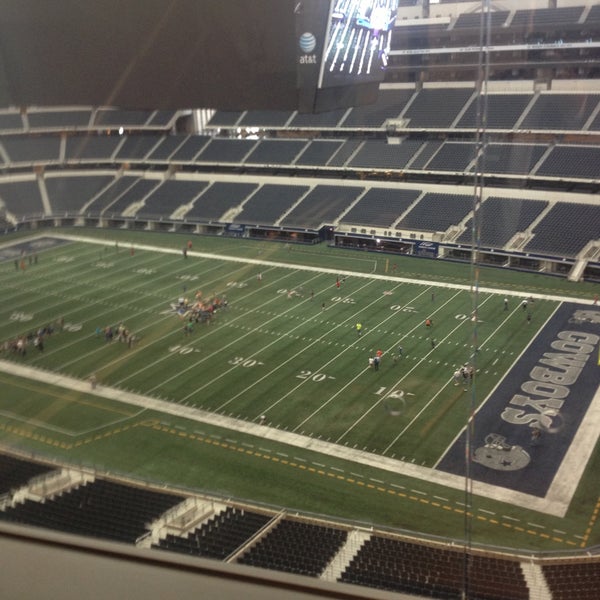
246	374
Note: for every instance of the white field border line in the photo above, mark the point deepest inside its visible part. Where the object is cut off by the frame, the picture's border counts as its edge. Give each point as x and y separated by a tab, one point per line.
352	317
17	282
364	370
254	261
162	304
69	432
561	491
293	439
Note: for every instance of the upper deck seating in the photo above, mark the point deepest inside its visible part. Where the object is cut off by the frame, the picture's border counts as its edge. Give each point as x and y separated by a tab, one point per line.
137	147
91	148
518	159
69	194
11	121
188	151
531	18
28	150
425	153
225	150
473	19
219	198
22	198
223	118
59	119
114	117
503	111
436	108
390	103
346	150
566	229
557	111
324	120
436	212
501	219
167	147
380	207
321	206
162	118
275	152
318	153
378	154
572	162
452	156
265	118
269	203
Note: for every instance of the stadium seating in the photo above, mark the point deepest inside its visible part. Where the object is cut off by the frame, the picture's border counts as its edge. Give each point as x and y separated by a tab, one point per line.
501	219
269	203
218	199
321	206
380	207
565	229
101	509
67	195
436	212
296	547
16	472
218	537
418	136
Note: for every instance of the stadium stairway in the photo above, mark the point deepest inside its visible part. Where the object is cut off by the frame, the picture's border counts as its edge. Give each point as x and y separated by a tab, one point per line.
536	582
356	538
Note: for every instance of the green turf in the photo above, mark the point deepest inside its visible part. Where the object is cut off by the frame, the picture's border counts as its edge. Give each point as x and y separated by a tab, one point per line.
298	361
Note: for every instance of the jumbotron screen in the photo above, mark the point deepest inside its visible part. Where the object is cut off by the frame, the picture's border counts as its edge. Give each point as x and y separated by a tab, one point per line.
342	51
357	42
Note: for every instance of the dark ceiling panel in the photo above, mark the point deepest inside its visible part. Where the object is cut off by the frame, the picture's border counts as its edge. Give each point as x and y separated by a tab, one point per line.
159	54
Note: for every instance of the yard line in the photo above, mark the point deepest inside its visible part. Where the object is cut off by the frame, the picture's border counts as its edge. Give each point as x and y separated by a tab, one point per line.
31	286
366	369
178	374
433	398
251	332
36	293
348	383
302	351
128	316
141	346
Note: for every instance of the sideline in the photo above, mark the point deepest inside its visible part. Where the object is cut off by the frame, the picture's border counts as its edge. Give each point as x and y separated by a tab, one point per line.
555	504
269	263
